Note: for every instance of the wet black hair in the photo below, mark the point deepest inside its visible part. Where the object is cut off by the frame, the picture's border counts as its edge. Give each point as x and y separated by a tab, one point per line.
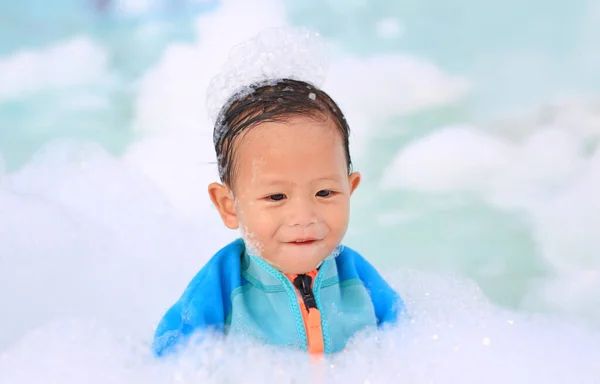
277	100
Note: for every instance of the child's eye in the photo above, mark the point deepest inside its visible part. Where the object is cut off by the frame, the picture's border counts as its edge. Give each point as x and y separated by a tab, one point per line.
276	197
324	193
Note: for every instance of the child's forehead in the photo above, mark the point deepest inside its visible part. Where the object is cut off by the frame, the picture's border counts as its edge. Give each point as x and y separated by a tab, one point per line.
297	132
285	152
278	152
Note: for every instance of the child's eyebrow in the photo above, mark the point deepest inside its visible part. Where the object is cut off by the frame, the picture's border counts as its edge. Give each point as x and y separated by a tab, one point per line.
272	182
334	177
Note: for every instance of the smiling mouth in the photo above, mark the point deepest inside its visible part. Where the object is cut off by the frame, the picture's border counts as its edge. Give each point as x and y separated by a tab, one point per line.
303	242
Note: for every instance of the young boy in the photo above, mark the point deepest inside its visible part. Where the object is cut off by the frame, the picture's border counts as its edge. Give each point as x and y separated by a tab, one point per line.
286	174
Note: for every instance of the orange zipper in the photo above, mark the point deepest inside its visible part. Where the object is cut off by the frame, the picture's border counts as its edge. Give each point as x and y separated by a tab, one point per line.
310	313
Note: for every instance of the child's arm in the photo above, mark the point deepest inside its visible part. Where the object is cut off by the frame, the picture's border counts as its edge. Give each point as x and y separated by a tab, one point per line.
170	330
388	305
200	308
205	303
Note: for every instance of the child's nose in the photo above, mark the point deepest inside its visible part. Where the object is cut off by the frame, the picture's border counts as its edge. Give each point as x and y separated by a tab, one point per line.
302	212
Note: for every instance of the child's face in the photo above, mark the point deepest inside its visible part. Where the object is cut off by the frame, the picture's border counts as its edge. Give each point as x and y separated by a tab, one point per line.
291	195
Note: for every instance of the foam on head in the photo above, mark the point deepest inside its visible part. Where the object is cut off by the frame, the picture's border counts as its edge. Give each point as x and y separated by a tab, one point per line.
275	53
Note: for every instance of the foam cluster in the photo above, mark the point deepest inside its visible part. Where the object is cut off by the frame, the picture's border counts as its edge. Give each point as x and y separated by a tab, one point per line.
274	53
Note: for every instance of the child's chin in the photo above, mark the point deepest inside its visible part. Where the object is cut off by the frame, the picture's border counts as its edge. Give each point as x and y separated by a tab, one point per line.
300	268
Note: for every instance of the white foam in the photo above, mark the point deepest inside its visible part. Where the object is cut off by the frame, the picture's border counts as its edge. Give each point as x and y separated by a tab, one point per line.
371	89
274	53
506	173
80	229
577	115
453	158
232	23
455	336
112	242
580	116
181	164
176	150
92	254
173	93
566	228
391	84
76	62
544	174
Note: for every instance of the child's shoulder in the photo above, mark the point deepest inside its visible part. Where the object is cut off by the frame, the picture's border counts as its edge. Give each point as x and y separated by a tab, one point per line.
351	264
222	271
387	303
206	300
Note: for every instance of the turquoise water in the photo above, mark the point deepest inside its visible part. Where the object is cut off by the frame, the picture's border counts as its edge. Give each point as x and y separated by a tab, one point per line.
478	148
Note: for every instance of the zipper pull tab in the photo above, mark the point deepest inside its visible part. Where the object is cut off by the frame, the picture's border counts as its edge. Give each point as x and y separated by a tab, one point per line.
303	284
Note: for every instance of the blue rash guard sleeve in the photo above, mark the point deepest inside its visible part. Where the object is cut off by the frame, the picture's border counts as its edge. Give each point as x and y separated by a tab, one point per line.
205	303
387	303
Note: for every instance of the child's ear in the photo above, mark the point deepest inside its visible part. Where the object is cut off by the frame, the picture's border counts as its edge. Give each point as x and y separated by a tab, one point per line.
223	201
354	181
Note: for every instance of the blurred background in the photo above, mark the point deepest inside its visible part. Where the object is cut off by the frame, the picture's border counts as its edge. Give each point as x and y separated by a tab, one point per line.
475	125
